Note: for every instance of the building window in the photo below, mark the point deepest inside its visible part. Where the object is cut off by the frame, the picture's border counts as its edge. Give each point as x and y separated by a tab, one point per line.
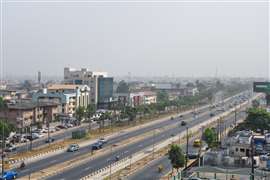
236	149
242	150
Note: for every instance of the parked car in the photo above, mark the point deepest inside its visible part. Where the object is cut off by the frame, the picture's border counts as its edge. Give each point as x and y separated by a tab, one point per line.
9	175
10	148
73	147
50	140
61	127
69	125
212	114
97	145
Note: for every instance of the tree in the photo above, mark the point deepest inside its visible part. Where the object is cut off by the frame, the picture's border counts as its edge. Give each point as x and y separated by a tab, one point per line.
2	103
210	136
90	112
176	156
80	113
162	96
123	87
258	118
8	128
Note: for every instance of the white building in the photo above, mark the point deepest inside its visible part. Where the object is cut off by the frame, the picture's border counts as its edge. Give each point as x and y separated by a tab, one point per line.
69	96
84	76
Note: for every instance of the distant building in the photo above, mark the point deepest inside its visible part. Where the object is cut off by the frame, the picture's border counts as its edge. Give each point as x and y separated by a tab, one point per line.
23	114
84	77
136	98
7	94
69	96
105	91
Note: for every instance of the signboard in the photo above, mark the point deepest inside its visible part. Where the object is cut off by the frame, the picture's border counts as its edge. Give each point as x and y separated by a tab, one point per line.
263	87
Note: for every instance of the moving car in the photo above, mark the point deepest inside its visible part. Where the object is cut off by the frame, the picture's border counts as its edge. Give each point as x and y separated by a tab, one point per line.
97	145
103	140
73	147
183	123
197	143
9	175
212	114
181	116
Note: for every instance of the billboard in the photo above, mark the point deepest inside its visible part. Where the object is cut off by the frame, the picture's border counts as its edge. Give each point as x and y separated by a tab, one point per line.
263	87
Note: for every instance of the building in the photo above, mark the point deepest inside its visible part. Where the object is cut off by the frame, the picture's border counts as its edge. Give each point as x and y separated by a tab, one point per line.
7	94
239	145
23	114
105	91
136	98
69	96
84	77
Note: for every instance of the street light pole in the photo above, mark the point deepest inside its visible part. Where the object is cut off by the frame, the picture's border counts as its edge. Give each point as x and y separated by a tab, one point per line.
154	133
252	159
186	148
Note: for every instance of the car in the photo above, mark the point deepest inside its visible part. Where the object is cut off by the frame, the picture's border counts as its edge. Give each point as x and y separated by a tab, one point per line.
103	140
9	175
212	114
97	145
10	148
197	143
172	118
50	140
181	116
193	155
69	125
183	123
73	147
61	127
116	158
194	178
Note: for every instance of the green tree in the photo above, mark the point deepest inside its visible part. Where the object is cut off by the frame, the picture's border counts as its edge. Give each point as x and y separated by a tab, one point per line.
176	156
162	96
2	103
258	118
8	128
90	112
210	136
80	113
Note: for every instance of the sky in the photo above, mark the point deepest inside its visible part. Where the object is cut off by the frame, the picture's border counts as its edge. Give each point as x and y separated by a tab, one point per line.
145	39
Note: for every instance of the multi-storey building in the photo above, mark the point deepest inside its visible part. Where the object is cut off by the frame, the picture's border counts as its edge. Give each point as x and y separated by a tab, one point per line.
22	114
136	98
84	76
69	96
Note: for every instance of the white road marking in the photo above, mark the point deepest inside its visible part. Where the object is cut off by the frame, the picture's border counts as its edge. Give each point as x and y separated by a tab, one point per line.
53	161
87	168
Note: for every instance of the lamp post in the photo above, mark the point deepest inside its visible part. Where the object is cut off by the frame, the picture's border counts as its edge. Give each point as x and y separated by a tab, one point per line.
187	138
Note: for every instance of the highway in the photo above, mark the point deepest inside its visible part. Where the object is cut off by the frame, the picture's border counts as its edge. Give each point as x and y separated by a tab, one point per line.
59	158
150	171
102	161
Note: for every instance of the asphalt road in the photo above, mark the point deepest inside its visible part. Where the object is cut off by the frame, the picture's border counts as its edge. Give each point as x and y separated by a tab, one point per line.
102	161
56	159
150	171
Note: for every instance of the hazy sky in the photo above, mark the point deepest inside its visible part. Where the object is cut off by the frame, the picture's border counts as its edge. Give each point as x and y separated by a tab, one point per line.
144	40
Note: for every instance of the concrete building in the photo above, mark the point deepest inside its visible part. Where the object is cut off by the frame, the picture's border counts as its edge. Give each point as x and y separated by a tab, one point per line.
84	77
239	145
136	98
23	114
69	96
7	94
105	92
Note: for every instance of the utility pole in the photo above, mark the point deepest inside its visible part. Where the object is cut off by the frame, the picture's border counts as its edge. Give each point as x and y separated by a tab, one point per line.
252	159
3	149
154	133
235	117
186	148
